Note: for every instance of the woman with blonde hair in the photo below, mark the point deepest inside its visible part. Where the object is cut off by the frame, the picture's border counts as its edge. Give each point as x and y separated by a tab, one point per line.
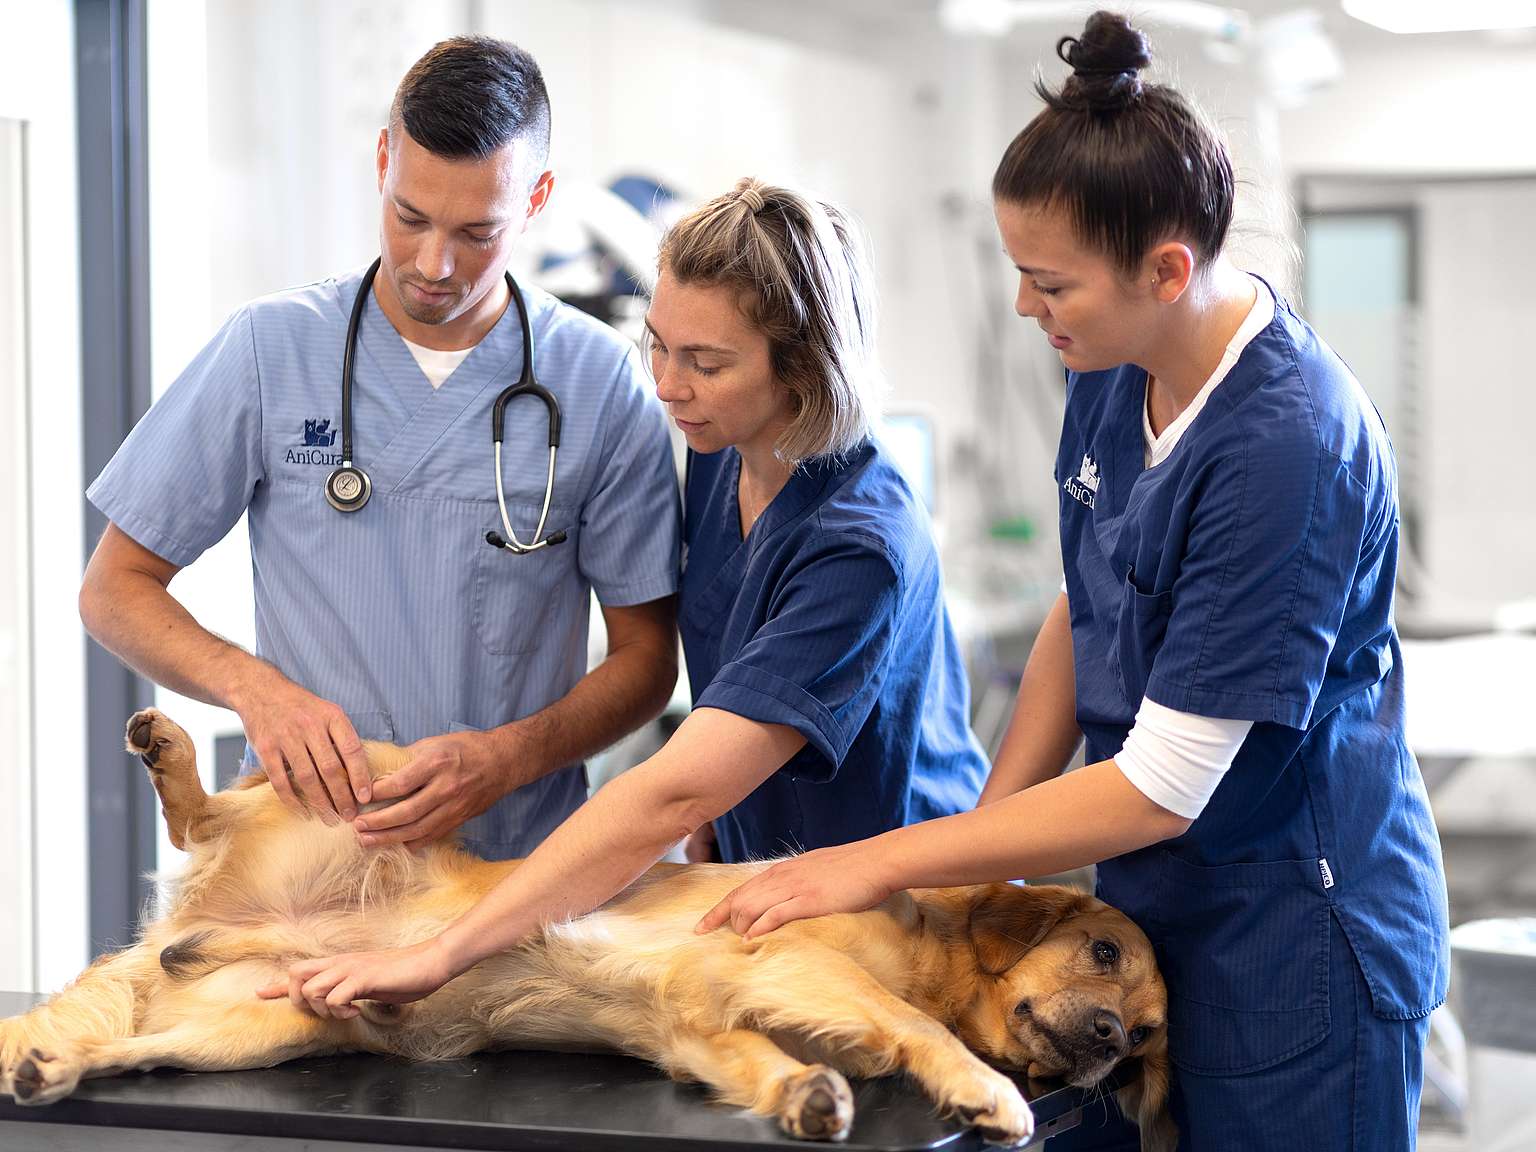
830	702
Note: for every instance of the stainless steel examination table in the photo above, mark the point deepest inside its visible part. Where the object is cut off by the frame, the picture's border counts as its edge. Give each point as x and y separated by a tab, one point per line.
552	1102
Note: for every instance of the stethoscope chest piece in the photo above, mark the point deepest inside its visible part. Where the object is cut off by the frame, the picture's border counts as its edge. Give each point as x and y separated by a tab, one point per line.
348	488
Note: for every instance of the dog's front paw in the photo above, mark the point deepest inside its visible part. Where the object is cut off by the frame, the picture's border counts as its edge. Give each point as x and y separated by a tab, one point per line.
994	1106
41	1077
817	1105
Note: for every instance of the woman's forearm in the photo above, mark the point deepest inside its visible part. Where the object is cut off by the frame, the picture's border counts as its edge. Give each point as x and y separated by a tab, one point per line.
597	853
1081	818
711	763
1043	733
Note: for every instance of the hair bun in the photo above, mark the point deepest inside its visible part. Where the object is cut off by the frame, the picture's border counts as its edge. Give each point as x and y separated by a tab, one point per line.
1105	61
749	192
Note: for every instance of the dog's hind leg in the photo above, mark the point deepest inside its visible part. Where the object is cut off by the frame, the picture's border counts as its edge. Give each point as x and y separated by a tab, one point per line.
249	1034
102	1004
811	1102
171	759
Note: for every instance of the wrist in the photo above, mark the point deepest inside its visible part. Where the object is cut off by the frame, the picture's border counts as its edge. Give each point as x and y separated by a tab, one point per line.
884	862
454	952
515	752
250	679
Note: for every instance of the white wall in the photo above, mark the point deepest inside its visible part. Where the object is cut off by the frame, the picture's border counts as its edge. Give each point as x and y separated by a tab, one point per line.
1424	106
43	924
1478	404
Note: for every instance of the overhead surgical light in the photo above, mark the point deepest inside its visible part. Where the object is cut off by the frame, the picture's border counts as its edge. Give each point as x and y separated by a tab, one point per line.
1441	16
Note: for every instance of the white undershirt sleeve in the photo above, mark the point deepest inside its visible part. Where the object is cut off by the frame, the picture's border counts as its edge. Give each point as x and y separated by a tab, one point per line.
1176	759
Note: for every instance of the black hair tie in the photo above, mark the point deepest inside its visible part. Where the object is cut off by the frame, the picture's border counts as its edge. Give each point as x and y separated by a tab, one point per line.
1066	48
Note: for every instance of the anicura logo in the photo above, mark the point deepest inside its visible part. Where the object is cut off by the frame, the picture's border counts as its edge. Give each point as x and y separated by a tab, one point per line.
318	434
1084	487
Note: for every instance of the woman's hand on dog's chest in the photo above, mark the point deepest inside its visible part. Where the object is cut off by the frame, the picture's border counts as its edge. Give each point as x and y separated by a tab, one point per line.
847	878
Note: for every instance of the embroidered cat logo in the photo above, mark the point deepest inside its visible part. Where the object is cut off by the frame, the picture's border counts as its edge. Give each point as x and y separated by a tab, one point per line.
316	436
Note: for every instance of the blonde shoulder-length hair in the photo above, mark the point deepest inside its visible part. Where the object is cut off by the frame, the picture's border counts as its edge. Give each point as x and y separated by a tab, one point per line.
803	272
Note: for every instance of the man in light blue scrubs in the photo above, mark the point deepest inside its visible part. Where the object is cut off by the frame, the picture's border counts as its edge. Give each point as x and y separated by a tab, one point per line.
398	621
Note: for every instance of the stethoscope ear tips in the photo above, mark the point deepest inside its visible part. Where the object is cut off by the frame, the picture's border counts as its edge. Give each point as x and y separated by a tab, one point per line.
348	488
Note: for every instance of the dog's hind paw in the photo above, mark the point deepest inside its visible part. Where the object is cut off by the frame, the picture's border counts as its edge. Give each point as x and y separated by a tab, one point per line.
817	1105
150	733
44	1077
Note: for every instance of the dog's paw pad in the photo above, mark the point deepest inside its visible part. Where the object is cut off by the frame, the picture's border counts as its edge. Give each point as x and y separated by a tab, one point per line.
42	1079
150	733
1005	1119
818	1105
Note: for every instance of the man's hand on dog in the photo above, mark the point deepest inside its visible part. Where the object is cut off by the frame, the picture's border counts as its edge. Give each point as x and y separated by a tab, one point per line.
307	747
846	878
329	985
448	780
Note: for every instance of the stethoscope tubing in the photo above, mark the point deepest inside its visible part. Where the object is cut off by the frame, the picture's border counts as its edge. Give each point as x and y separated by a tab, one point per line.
351	479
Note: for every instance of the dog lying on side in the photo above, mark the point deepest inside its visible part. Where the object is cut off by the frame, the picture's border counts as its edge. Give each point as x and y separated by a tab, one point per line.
935	983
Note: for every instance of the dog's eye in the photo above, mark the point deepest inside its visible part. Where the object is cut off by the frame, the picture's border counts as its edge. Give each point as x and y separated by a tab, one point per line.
1105	952
1137	1036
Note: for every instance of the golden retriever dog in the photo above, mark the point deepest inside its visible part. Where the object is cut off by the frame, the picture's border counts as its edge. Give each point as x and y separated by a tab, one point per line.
946	985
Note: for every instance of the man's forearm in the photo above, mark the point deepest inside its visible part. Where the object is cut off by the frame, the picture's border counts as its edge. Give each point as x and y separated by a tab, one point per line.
630	687
134	616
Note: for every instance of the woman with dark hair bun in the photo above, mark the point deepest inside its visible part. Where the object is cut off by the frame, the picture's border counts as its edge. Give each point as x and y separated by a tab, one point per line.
1224	643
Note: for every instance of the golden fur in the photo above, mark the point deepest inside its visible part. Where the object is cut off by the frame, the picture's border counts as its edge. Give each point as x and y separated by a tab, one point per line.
923	983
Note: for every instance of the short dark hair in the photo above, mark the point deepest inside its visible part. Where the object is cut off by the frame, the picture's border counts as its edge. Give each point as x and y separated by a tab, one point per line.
470	96
1133	163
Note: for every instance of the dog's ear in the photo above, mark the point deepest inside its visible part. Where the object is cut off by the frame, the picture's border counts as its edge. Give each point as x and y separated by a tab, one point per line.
1007	920
1146	1102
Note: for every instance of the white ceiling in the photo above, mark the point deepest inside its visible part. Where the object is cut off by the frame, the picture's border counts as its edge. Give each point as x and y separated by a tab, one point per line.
876	18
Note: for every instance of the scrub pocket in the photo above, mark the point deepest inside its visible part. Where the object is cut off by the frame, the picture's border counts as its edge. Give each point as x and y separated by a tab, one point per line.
1244	951
515	596
1143	624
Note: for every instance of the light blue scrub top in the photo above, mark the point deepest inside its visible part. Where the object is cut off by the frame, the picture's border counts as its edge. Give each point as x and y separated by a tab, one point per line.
1250	576
401	613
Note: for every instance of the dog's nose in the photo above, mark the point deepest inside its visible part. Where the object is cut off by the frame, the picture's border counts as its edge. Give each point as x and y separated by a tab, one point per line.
1110	1034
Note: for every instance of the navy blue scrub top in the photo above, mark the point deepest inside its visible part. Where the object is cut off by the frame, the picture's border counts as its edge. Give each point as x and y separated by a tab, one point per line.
1250	576
828	618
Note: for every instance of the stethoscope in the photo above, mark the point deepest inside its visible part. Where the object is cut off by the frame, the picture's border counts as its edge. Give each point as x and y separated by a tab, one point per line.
348	488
